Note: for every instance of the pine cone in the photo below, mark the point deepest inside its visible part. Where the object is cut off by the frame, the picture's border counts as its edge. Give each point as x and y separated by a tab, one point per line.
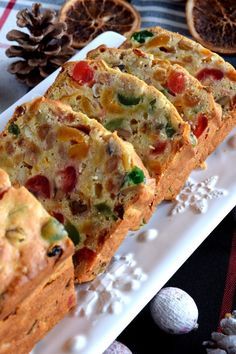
43	50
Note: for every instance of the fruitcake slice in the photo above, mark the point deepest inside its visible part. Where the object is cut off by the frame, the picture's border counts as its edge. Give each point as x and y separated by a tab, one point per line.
193	101
36	270
209	68
139	113
85	176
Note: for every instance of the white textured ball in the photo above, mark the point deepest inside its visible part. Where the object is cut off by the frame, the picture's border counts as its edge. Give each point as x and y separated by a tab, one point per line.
174	311
117	348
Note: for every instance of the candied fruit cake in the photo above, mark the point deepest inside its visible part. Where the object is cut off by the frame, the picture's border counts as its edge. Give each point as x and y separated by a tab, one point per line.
139	113
208	67
84	175
191	99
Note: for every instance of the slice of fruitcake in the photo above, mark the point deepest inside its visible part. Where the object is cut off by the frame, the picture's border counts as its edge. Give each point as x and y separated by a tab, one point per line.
36	270
193	101
85	176
209	68
139	113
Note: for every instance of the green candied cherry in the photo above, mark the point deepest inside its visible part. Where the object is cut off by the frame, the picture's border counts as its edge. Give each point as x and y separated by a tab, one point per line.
152	104
104	209
135	176
114	124
141	36
72	232
164	91
128	100
53	231
170	131
14	129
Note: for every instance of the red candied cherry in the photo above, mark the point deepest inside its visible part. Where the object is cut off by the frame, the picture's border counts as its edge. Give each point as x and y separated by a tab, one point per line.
83	73
58	216
39	185
176	82
159	147
66	179
201	125
215	74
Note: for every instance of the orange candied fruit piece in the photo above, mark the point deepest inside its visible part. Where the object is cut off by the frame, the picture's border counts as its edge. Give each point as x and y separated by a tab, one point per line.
184	44
155	167
68	133
157	41
108	102
160	75
78	151
231	75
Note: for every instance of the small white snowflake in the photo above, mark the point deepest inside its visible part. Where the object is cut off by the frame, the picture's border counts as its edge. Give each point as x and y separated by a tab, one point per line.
195	195
111	290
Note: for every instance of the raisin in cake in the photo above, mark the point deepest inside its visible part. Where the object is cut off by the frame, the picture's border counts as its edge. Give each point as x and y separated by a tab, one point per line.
36	270
139	114
209	68
193	101
84	175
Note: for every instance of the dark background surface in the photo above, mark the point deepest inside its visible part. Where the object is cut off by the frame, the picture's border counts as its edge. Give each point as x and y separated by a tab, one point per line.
203	277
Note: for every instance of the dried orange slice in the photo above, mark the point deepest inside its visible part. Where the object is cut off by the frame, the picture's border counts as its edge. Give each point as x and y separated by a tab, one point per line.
213	24
88	18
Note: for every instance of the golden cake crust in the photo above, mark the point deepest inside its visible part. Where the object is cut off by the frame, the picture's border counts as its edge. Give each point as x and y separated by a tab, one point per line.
37	313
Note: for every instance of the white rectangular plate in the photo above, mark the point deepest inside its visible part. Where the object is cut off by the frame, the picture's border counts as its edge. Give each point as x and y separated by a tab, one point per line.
148	258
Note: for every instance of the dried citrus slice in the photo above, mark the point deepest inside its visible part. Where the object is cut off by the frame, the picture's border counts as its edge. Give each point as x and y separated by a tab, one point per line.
88	18
213	24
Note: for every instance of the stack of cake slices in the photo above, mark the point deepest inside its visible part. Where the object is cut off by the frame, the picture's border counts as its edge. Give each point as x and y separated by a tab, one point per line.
114	136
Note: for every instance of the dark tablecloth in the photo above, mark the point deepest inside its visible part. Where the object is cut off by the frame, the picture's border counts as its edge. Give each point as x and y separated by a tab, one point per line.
203	276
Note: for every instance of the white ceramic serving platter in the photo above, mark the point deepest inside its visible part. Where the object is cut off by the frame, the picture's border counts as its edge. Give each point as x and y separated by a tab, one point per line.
148	258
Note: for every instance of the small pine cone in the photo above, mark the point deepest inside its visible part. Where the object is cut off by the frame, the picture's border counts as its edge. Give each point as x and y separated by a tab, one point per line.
43	49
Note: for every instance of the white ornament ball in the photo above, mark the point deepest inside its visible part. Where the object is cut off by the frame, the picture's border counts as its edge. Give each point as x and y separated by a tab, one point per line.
117	348
174	311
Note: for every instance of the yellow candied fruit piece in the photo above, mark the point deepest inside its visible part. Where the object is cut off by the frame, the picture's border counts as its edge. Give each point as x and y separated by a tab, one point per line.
206	52
185	45
107	100
161	62
160	75
15	235
68	133
86	106
160	40
78	151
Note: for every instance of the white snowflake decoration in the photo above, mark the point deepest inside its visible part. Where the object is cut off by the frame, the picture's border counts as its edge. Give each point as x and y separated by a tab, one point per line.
195	195
111	290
